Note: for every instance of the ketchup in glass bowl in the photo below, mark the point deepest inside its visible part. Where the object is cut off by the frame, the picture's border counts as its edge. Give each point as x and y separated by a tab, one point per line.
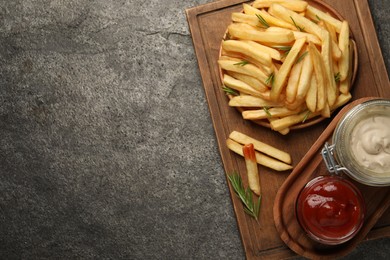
330	209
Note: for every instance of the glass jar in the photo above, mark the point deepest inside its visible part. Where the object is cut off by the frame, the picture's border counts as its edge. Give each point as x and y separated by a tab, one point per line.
330	209
361	144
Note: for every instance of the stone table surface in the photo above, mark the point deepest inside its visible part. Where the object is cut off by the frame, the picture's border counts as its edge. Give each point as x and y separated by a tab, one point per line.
107	149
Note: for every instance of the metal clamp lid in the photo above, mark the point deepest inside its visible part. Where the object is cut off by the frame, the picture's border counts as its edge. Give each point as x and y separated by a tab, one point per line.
330	161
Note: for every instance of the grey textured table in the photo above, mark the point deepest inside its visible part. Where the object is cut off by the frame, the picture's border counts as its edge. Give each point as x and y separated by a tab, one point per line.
106	144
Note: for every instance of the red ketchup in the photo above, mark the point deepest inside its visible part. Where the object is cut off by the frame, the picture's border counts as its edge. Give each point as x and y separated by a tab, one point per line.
330	209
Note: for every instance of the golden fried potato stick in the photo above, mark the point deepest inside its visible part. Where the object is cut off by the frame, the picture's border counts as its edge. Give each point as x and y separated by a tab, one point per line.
344	47
314	13
320	74
252	101
247	32
251	81
311	96
247	69
269	113
239	86
269	19
281	76
247	50
251	168
297	5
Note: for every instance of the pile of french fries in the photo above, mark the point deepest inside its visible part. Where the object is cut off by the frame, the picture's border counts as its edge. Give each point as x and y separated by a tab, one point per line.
286	62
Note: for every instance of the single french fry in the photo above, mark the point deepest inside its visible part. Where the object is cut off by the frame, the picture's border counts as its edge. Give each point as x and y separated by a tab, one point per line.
314	13
344	47
239	86
251	81
281	76
342	99
246	18
268	113
247	69
262	48
297	5
345	85
292	84
252	101
311	96
251	168
305	78
247	50
297	34
326	53
239	57
261	146
289	121
247	32
320	76
284	131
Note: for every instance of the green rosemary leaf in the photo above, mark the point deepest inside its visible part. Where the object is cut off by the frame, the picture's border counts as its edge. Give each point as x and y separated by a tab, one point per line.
241	63
262	21
306	116
337	77
270	80
229	91
245	195
302	29
266	110
283	48
300	58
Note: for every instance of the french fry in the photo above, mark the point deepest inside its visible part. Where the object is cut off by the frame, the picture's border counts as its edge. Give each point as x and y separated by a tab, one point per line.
311	97
305	78
268	113
251	168
292	84
260	158
251	81
344	47
297	5
314	14
247	69
252	101
247	32
239	86
299	21
326	53
246	18
320	76
239	57
261	146
281	77
247	50
346	84
289	121
297	34
284	131
262	48
270	20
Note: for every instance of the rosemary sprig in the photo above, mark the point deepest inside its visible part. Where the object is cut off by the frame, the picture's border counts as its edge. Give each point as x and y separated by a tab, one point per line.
306	116
266	110
337	77
270	80
300	58
250	207
241	63
319	19
262	21
302	29
229	91
286	50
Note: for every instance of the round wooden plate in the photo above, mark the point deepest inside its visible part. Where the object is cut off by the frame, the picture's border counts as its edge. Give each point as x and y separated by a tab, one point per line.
325	8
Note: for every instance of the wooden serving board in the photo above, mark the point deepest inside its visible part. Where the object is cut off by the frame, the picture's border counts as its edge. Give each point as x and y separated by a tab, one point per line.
377	201
208	24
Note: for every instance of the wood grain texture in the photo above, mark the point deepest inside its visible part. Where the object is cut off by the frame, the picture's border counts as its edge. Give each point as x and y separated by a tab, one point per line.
207	25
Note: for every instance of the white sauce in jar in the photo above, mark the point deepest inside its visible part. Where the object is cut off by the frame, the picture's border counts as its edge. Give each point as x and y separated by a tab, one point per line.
370	143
